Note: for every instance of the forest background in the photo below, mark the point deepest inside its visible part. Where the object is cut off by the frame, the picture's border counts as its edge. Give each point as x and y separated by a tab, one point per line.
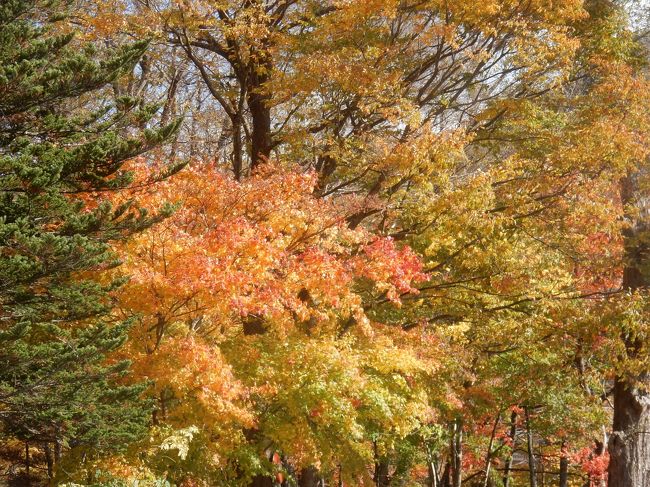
316	243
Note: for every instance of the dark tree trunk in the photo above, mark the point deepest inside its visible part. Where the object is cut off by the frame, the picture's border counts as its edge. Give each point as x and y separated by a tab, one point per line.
163	405
262	481
531	452
27	461
325	167
253	325
57	451
629	444
237	151
49	460
309	477
629	448
513	434
446	476
251	435
252	74
381	474
564	466
260	109
261	131
382	477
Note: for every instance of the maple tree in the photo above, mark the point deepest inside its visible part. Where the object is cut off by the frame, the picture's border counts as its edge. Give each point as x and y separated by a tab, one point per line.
408	248
272	262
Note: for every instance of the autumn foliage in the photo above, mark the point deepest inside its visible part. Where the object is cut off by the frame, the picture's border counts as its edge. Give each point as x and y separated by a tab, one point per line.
390	243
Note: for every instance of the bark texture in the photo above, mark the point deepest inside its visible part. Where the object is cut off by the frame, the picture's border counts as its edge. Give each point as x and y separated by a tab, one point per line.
531	454
513	437
629	444
564	467
629	447
309	477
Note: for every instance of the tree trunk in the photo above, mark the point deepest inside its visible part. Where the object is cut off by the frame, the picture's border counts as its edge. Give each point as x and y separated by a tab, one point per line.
432	466
433	475
457	453
309	477
446	476
531	452
49	460
237	151
629	444
262	481
57	451
513	434
253	325
261	133
381	477
260	109
488	455
564	466
629	448
27	462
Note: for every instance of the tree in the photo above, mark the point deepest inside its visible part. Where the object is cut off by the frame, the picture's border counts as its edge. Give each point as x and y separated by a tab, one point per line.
266	269
55	386
489	138
629	446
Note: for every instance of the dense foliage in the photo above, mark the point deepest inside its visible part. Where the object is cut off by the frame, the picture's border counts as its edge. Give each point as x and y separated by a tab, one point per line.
56	388
392	243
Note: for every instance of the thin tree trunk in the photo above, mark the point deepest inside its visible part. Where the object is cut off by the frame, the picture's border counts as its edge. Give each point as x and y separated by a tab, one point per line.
163	405
433	479
564	466
513	434
27	462
542	472
531	452
446	476
629	444
488	455
57	451
433	470
49	460
457	453
169	107
600	450
381	475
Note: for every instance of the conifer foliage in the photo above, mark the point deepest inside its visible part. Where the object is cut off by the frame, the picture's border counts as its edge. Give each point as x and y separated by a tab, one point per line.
55	388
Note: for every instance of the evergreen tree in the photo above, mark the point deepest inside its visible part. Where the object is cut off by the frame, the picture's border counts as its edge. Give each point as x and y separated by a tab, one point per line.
55	330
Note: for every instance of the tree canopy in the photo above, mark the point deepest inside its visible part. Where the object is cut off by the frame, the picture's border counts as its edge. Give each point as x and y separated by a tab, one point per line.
310	243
